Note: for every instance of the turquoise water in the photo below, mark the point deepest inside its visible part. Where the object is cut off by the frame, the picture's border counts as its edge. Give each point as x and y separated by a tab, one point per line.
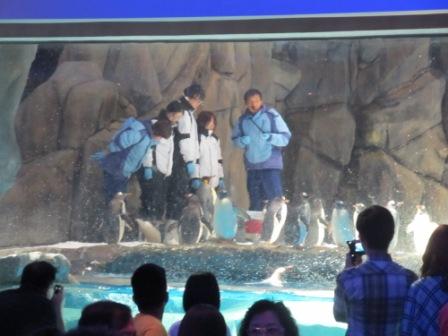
311	309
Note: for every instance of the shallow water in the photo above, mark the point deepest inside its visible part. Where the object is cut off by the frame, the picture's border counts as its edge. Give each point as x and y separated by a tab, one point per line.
311	309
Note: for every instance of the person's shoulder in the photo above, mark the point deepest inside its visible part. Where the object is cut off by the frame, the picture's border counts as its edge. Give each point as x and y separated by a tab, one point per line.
271	111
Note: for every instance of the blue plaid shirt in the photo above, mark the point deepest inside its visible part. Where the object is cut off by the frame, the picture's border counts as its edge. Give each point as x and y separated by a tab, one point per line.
425	299
371	296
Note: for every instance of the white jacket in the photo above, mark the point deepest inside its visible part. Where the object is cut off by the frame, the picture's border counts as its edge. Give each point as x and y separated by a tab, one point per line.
162	154
210	159
189	147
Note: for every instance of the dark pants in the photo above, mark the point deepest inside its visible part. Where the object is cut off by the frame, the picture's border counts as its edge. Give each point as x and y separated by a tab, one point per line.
112	185
153	195
263	185
178	187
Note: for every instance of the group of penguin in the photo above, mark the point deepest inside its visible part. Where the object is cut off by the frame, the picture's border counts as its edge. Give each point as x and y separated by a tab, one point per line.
313	228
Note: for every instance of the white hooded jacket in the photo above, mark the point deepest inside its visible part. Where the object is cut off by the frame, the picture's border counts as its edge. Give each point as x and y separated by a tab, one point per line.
210	159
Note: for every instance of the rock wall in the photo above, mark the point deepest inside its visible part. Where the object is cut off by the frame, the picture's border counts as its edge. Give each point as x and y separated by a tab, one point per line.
368	116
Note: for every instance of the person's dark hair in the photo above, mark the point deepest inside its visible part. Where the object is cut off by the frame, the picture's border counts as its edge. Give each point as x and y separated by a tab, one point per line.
47	331
173	107
204	118
278	308
201	288
195	91
149	287
435	258
375	225
108	314
252	92
38	275
162	128
92	331
203	320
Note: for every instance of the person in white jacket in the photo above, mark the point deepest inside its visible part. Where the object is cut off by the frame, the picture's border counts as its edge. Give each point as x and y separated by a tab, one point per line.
210	158
186	153
154	190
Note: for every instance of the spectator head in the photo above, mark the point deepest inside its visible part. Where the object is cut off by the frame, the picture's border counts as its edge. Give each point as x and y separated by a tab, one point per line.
94	331
107	314
195	94
173	112
254	100
38	276
201	288
435	258
161	129
375	225
203	320
206	121
268	318
149	287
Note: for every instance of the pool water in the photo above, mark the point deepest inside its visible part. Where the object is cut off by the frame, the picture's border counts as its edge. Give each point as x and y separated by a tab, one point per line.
311	309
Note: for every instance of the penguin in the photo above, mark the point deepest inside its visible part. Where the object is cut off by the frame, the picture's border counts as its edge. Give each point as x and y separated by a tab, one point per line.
422	227
171	236
341	224
392	206
274	219
275	279
318	224
149	231
117	218
303	218
207	197
358	207
190	224
225	224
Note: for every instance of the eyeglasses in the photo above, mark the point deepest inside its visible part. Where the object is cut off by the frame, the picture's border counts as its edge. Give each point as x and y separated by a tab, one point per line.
269	331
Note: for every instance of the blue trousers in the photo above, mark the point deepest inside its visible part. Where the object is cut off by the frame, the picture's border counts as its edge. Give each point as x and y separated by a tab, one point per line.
263	185
112	185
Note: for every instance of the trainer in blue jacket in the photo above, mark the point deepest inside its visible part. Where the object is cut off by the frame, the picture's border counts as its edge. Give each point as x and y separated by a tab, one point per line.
130	148
262	132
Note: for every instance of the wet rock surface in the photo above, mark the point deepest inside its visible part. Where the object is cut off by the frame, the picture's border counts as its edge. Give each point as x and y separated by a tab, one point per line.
232	264
368	117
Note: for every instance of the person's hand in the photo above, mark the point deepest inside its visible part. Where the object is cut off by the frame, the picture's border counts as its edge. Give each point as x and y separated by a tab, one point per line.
98	156
266	136
191	169
221	185
352	260
148	173
245	140
196	184
58	297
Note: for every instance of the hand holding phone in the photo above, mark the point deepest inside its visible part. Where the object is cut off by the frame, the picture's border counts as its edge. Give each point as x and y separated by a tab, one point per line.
356	251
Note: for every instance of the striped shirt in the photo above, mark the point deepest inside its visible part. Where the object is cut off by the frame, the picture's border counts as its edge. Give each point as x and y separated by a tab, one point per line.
371	297
424	301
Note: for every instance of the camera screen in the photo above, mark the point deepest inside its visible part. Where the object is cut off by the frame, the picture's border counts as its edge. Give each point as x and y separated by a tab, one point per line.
359	247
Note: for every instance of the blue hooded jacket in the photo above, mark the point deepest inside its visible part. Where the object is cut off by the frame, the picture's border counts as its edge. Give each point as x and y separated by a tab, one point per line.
128	148
268	133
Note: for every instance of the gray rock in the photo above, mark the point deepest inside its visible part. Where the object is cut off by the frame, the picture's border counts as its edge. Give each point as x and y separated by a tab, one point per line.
381	178
16	62
11	267
425	154
332	132
383	64
222	57
314	175
87	52
261	70
88	107
325	70
37	209
131	67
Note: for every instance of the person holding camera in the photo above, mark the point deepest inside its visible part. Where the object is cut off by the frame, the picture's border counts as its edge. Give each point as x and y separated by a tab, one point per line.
370	295
28	309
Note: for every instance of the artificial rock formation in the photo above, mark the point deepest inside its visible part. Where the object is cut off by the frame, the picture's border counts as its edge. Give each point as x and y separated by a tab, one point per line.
368	118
